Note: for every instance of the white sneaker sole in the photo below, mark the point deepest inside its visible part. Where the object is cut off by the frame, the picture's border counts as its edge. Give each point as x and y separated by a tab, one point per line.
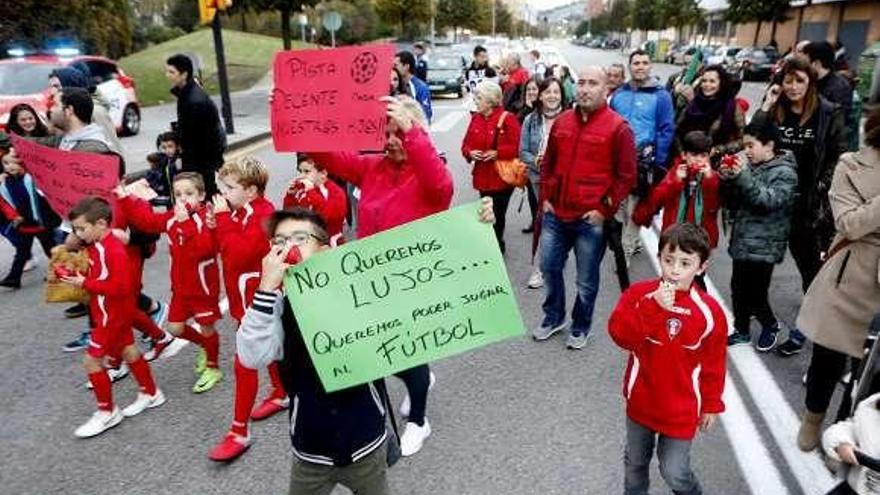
114	420
580	345
553	332
411	451
131	410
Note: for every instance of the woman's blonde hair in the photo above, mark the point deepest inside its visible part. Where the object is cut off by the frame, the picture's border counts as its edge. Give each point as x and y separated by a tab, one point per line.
490	91
414	110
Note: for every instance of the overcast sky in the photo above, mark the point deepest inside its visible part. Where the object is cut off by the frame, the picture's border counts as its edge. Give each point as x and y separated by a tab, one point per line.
547	4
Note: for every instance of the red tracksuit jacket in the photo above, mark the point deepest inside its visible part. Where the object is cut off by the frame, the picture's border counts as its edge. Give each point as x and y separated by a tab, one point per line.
194	270
393	194
243	242
677	362
667	195
108	283
328	200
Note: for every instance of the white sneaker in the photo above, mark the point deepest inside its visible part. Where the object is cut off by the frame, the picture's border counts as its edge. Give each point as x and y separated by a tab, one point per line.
29	266
406	405
413	438
114	374
144	402
536	280
100	422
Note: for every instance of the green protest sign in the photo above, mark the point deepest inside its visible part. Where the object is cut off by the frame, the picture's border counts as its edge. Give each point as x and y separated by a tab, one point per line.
420	292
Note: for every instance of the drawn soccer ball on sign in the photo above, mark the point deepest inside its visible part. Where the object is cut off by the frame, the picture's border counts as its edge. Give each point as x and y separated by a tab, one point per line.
363	67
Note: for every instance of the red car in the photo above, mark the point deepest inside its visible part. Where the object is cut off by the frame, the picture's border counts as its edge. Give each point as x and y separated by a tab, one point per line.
25	79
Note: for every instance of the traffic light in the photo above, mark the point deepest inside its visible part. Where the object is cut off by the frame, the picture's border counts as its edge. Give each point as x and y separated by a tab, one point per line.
208	8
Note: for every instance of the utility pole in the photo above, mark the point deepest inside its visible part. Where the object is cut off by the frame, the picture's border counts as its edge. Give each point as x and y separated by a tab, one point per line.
226	102
493	18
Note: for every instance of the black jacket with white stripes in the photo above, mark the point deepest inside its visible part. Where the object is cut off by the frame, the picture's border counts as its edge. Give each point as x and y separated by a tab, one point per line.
335	429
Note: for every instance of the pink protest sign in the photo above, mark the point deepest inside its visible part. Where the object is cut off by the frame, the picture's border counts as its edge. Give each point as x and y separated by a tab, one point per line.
65	177
328	100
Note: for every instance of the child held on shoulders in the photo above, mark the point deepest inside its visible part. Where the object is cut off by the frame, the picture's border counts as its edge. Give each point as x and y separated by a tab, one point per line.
312	190
675	334
759	189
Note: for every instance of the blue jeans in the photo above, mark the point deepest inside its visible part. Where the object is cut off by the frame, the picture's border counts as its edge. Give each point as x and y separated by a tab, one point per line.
675	461
557	239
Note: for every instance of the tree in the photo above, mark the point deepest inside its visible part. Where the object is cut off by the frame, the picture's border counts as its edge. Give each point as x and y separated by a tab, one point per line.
99	26
404	13
359	20
183	14
681	13
743	11
645	14
458	14
621	18
285	8
503	18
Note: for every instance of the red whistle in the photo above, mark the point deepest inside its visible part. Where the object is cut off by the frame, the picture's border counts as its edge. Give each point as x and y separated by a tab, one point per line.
293	256
62	271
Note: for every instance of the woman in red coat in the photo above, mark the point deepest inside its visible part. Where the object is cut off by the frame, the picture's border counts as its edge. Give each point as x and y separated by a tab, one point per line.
487	141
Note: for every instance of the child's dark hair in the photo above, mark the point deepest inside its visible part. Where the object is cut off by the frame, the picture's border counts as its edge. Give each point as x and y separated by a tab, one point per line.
303	157
696	142
303	215
154	158
167	136
194	177
93	209
690	238
764	132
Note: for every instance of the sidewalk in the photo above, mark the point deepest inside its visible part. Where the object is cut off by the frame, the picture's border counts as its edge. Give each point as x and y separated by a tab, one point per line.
250	115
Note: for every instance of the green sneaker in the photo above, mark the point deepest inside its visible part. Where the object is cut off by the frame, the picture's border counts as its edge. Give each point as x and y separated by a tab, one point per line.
201	362
209	378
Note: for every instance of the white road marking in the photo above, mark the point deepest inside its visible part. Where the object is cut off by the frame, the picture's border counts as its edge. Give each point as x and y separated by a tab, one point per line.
755	462
447	122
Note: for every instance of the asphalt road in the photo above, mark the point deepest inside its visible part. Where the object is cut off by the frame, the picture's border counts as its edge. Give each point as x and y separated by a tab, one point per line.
514	418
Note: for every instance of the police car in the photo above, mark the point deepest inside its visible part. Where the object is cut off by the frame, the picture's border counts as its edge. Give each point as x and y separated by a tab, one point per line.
24	78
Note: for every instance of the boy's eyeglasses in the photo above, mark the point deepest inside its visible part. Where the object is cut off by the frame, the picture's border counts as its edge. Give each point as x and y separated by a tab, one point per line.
297	238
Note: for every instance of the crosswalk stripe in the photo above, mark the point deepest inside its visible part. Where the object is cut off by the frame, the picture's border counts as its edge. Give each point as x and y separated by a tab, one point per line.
447	122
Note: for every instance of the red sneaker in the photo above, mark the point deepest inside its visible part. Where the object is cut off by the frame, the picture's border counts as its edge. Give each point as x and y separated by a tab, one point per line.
269	408
232	446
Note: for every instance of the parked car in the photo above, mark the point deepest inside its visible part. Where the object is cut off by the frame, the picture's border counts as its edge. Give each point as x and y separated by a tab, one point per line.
724	55
612	45
755	63
25	79
446	73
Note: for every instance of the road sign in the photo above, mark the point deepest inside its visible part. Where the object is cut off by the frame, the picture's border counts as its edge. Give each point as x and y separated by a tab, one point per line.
332	21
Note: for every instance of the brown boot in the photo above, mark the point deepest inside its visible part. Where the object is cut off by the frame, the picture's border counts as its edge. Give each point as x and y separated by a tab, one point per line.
810	431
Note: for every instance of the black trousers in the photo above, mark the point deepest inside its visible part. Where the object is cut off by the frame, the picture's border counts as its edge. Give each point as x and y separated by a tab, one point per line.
533	201
23	251
826	368
417	381
803	241
614	241
749	285
842	489
500	202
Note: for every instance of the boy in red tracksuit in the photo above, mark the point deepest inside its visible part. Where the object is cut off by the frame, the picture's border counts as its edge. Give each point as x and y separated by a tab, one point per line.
239	220
676	336
111	303
195	279
690	192
312	190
